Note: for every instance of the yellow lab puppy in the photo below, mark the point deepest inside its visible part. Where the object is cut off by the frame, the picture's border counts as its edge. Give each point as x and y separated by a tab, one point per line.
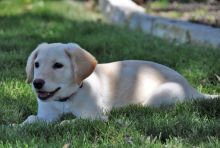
67	79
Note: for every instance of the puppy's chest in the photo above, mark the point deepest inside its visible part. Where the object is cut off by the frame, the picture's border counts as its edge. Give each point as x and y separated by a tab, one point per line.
68	107
77	108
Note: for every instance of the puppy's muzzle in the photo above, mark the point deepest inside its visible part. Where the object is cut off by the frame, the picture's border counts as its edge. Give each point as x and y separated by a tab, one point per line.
38	83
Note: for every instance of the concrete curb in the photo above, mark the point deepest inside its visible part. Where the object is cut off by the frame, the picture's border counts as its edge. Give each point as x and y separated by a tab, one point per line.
126	12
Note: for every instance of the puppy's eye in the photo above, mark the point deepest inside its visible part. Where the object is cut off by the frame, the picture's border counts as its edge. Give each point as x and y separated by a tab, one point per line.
36	64
57	65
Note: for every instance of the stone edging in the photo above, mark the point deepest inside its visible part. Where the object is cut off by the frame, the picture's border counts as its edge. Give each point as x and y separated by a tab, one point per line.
126	12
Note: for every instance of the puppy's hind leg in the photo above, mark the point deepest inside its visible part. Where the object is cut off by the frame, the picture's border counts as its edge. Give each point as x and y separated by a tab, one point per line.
166	94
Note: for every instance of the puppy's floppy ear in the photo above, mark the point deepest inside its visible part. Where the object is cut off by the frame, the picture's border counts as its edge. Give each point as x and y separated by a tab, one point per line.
30	66
84	63
30	63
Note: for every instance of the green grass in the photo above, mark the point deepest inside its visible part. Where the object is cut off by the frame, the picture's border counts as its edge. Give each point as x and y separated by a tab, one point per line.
25	24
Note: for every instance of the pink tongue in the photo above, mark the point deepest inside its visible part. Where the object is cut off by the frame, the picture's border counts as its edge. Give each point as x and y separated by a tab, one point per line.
43	94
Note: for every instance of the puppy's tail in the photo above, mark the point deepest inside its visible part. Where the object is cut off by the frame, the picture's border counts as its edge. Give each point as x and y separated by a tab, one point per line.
208	96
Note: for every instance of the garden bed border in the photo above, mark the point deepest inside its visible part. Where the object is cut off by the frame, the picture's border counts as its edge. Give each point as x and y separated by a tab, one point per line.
126	12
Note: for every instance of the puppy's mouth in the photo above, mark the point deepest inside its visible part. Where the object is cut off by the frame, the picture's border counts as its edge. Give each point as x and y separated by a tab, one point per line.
44	95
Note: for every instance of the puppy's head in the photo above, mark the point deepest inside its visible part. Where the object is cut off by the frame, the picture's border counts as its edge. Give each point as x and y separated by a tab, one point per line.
57	70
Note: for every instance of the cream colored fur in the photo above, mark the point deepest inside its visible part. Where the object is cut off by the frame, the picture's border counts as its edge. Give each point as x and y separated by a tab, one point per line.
105	86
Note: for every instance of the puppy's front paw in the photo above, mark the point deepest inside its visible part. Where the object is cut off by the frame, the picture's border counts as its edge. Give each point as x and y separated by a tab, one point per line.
30	119
67	122
104	118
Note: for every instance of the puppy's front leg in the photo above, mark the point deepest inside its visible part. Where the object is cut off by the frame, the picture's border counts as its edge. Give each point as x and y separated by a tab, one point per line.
47	112
33	119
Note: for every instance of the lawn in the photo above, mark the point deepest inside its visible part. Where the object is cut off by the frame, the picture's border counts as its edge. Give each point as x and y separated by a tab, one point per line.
25	23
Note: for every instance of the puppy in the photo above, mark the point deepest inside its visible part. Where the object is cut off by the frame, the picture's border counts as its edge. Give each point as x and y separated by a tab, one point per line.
67	79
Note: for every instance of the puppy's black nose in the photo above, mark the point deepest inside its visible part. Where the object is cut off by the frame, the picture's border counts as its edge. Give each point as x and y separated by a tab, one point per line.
38	83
